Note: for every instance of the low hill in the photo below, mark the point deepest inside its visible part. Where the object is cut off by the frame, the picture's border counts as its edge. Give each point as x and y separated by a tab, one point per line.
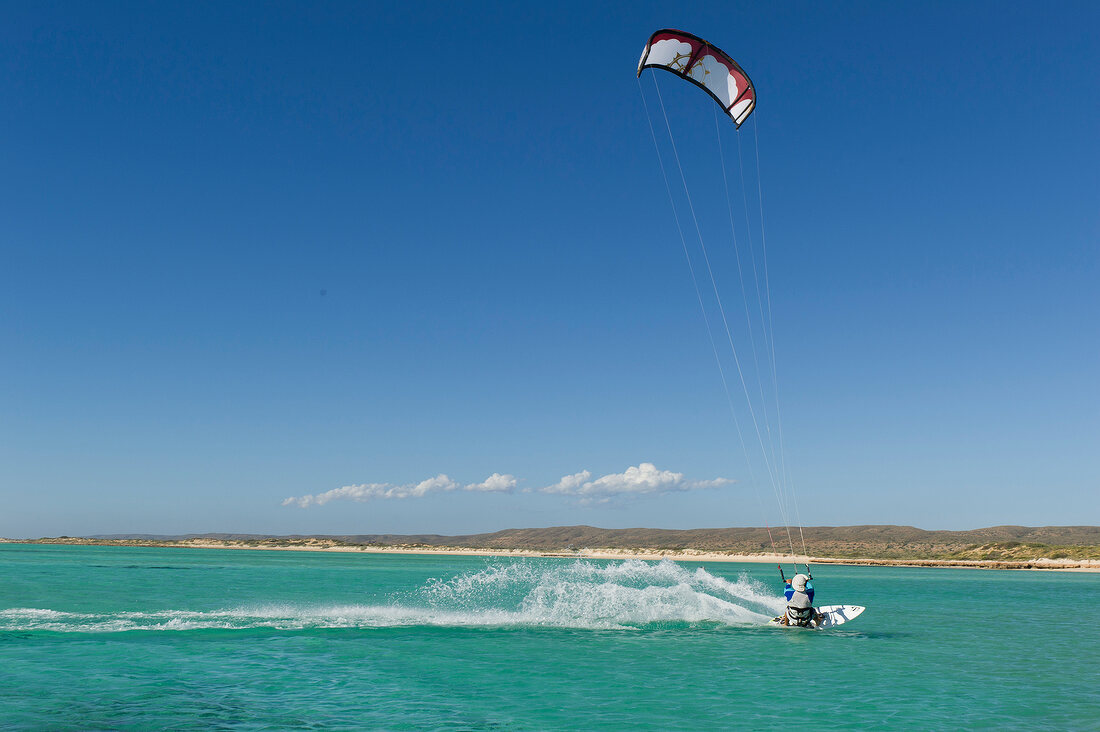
869	541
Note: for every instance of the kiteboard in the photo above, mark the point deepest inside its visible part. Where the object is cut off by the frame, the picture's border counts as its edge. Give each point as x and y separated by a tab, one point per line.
834	615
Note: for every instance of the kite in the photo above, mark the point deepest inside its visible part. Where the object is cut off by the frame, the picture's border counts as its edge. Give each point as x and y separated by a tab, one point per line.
704	65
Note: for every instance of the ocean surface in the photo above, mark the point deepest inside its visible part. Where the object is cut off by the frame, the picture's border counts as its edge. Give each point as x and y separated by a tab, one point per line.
135	638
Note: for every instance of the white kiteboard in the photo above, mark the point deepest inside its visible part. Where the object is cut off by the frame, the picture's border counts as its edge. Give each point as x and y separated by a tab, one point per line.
834	615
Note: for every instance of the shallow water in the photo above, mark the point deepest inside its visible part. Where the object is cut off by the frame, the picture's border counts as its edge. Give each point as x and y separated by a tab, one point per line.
110	637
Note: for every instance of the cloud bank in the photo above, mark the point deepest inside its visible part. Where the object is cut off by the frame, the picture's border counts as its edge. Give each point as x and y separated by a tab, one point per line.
642	480
495	483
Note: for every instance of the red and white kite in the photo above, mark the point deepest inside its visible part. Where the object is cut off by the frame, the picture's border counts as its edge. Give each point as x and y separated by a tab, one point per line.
704	65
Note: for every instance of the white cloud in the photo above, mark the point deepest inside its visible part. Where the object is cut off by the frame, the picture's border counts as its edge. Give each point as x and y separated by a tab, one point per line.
495	483
568	484
645	479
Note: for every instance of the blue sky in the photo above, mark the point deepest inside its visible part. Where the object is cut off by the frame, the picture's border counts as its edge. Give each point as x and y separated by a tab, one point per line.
250	252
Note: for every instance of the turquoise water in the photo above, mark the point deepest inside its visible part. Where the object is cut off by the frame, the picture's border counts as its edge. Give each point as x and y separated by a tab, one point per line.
109	638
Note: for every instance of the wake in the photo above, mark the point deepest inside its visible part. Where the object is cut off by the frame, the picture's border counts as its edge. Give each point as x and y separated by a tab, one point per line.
581	594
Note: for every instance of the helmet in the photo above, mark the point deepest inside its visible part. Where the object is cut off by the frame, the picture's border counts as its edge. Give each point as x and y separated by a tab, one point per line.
798	582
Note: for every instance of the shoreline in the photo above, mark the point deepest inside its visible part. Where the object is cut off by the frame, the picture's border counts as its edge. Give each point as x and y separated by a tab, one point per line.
648	554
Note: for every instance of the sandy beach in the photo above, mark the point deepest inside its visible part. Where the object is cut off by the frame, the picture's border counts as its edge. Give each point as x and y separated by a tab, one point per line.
684	555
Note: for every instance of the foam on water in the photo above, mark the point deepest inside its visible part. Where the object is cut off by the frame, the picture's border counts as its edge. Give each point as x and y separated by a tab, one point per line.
580	594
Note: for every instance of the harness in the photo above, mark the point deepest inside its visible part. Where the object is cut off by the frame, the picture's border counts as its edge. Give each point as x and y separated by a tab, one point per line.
799	615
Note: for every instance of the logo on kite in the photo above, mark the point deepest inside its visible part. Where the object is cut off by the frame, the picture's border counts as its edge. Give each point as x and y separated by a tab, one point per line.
704	65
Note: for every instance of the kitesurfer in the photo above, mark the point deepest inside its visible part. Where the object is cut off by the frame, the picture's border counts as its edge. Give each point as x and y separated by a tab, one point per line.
799	591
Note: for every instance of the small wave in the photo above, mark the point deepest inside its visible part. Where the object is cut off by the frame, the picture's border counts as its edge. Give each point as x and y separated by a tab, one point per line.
582	594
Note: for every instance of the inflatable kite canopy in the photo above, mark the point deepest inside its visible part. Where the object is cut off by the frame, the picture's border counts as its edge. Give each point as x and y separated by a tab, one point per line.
704	65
